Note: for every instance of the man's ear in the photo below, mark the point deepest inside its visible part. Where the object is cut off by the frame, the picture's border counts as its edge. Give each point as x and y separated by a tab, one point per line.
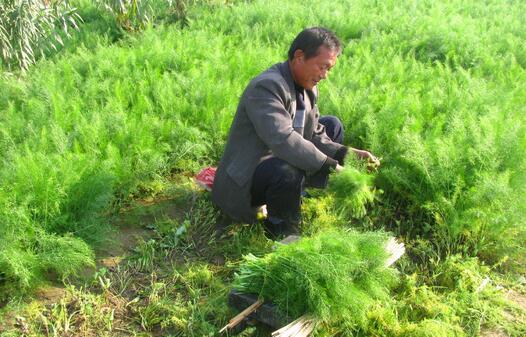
299	55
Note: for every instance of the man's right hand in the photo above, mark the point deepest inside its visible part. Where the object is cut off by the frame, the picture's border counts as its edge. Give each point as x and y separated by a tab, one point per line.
372	161
338	168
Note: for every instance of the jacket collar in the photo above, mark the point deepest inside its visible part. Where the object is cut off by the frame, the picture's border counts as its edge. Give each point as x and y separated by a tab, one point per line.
285	71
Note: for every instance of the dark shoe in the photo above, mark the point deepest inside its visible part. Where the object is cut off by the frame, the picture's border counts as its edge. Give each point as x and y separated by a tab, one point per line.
221	226
278	229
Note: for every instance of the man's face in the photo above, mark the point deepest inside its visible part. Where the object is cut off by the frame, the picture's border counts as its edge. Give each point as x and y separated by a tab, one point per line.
308	72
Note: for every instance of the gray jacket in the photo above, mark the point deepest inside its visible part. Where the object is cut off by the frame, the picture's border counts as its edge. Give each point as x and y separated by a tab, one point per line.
263	127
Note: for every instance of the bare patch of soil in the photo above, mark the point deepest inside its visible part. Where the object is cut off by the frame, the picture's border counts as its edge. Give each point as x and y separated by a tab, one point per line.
50	294
517	297
511	295
495	332
133	225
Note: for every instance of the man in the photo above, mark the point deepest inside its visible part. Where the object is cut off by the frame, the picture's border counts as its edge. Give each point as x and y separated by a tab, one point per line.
278	144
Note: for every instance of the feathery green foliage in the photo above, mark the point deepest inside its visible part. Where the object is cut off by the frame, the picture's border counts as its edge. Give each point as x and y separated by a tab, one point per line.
335	275
352	191
431	87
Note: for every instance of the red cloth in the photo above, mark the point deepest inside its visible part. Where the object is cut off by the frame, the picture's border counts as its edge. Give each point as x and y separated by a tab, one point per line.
205	178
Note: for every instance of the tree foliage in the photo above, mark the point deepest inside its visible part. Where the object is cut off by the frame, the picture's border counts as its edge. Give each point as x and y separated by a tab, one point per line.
28	28
130	15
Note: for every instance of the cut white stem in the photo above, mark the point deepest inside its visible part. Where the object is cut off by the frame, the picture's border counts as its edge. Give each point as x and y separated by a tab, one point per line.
301	327
307	329
395	250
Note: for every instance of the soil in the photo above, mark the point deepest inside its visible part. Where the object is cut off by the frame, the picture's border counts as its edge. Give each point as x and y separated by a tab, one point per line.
516	297
511	295
132	227
495	332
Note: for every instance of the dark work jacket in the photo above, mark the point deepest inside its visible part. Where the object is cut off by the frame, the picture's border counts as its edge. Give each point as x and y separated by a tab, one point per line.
262	128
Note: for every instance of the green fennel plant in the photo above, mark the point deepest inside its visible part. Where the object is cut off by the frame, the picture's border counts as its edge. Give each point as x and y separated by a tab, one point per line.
335	275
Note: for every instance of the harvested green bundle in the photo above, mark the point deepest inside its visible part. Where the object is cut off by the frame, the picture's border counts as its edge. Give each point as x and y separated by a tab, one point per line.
352	190
335	276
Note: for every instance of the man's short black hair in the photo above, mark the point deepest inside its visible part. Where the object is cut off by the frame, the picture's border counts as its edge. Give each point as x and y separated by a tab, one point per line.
310	39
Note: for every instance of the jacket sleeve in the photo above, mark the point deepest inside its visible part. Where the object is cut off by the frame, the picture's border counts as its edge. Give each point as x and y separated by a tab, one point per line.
325	144
265	107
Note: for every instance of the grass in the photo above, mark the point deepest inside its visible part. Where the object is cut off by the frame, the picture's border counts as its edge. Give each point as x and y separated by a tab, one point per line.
434	88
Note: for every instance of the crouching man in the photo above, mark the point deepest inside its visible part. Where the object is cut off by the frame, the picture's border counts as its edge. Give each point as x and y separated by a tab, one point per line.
278	144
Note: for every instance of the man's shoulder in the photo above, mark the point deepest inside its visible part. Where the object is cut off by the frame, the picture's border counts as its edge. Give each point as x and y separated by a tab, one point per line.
273	79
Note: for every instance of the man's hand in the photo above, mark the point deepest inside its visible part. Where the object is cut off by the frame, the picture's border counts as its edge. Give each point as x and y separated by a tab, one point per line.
371	159
338	168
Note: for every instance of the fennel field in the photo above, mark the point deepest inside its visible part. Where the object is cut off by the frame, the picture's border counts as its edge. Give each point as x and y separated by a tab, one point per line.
105	134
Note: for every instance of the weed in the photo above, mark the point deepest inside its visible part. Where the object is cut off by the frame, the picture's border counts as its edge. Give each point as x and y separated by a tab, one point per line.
144	256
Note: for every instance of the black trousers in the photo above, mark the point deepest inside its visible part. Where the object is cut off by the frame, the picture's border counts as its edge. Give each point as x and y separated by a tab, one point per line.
279	185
